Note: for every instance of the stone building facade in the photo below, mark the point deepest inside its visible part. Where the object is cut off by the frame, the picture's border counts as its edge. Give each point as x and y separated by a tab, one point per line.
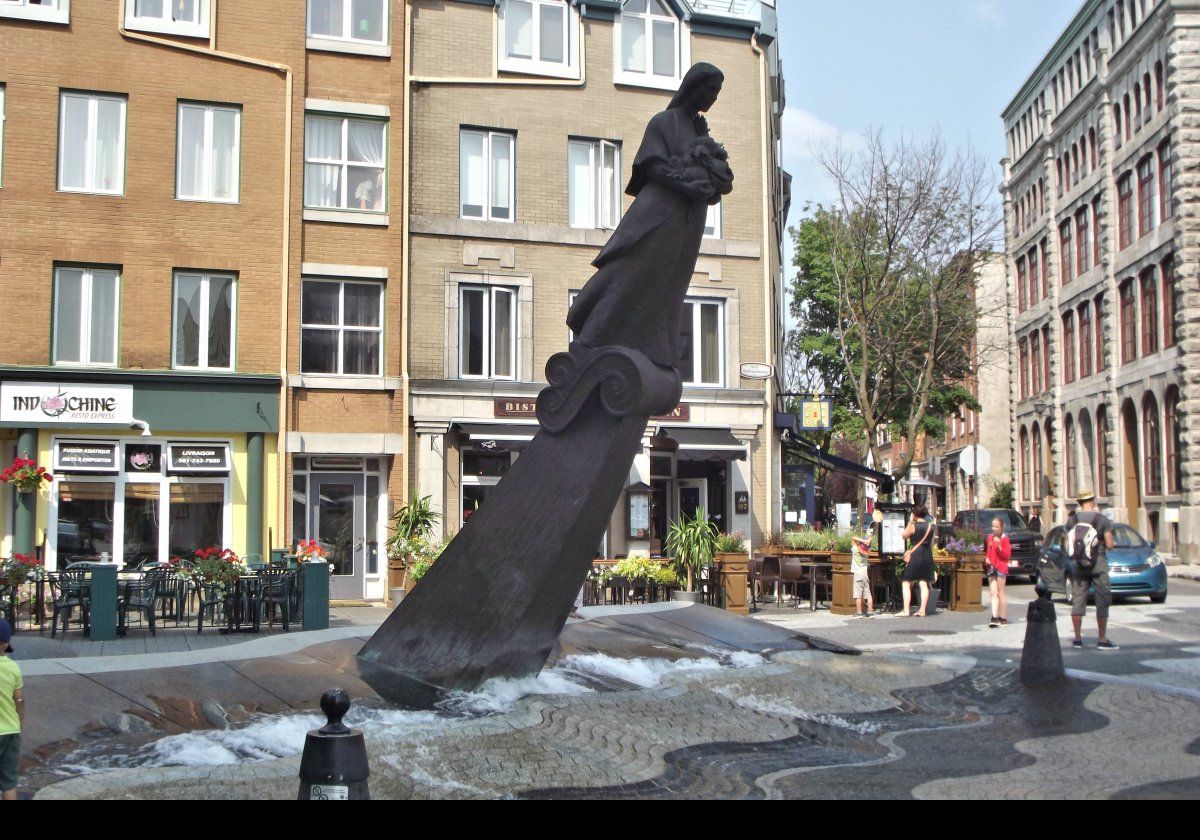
526	118
1101	271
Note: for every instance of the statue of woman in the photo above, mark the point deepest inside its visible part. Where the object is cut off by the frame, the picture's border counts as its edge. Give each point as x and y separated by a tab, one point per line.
635	298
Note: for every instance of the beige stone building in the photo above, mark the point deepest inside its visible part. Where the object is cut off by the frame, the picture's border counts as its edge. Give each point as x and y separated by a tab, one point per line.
1102	270
526	117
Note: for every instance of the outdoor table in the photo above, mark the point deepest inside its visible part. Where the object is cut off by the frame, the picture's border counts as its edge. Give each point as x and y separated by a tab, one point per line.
241	598
773	561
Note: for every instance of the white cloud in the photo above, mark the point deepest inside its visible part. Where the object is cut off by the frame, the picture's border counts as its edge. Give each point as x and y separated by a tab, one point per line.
987	11
804	135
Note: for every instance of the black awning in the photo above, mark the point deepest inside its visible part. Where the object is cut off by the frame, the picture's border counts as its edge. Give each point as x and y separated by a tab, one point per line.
705	444
497	435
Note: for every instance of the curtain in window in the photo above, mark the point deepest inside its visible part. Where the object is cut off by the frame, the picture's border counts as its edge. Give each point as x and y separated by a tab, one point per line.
325	17
633	44
361	305
220	321
610	187
68	300
188	289
103	318
365	141
472	175
361	353
320	303
184	11
502	337
579	168
501	176
553	28
664	48
224	154
367	20
518	29
148	8
710	344
471	329
322	181
191	151
110	124
73	145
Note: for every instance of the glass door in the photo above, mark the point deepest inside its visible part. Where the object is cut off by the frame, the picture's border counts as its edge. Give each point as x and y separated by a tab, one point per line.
693	497
338	510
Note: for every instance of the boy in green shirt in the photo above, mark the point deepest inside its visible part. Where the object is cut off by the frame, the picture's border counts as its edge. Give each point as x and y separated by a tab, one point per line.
860	551
12	714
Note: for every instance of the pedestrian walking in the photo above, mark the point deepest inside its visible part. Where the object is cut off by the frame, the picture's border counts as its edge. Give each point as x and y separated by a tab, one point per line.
12	714
1035	522
860	549
1089	536
999	552
918	559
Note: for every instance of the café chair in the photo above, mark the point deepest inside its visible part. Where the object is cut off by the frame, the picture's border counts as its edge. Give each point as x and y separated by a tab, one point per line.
70	591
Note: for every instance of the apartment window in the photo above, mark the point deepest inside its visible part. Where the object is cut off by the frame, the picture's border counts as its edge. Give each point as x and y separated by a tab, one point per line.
1085	340
1173	440
1146	198
1025	476
1149	312
173	17
1035	362
1064	252
702	342
341	328
85	315
1024	367
1034	281
487	175
1068	328
1096	231
1045	261
593	183
1159	99
651	44
209	154
1101	451
1046	358
1166	191
363	21
1125	210
536	36
1069	456
1021	302
1152	445
1168	300
1037	462
1101	354
487	333
1128	323
1083	241
1117	124
345	163
91	143
46	11
713	220
204	321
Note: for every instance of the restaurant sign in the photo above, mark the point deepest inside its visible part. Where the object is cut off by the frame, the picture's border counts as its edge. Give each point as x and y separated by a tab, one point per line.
190	458
63	402
85	456
528	408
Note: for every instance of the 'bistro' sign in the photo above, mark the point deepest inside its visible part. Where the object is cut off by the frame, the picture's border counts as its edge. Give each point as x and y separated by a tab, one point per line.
63	402
528	408
72	456
198	457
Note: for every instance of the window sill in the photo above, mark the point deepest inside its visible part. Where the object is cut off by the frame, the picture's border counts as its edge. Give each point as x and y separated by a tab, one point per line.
191	200
110	193
39	15
332	382
161	27
648	81
348	47
533	68
346	217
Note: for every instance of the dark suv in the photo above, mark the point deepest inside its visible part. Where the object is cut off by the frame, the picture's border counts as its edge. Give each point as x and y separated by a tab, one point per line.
1026	544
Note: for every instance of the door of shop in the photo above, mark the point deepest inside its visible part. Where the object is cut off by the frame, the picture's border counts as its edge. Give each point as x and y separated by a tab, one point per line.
693	497
338	524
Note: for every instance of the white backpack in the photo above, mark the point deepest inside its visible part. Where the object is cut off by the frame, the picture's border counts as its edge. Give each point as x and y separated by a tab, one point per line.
1082	540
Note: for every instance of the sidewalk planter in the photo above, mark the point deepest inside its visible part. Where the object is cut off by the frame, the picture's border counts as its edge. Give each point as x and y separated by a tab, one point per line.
316	595
733	569
966	587
843	584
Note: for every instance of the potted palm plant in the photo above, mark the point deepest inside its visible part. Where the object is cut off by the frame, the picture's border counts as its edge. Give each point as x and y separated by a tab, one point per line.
691	544
409	544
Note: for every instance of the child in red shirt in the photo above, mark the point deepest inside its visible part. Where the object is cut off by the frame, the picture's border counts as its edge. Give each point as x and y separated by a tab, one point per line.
999	552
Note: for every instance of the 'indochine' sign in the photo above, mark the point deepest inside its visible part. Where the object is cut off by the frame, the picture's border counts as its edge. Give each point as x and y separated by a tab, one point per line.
63	402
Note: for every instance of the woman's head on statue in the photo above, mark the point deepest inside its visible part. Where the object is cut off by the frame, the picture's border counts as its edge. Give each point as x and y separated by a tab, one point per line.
699	88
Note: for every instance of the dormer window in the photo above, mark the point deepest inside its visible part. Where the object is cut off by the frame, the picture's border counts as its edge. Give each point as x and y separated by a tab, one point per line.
651	45
188	18
539	37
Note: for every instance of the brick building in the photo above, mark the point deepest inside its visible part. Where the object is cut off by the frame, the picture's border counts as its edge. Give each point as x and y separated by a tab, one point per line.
526	117
1102	271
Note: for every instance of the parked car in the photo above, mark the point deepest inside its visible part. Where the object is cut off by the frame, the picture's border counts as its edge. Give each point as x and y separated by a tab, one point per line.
1026	544
1134	567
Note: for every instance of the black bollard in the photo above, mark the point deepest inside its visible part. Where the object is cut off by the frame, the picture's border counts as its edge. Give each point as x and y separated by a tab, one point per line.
1041	659
334	765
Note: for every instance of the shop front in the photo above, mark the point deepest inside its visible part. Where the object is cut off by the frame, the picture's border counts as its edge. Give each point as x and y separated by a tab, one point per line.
146	466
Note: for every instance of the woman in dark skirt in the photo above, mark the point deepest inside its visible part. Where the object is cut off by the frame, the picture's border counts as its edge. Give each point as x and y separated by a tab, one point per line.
918	559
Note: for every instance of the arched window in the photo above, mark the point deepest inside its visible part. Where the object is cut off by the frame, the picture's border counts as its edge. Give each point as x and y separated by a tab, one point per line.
1101	451
1128	117
1069	457
1137	105
1151	446
1024	456
652	45
1087	453
1074	163
1168	300
1171	423
1117	133
1085	340
1091	150
1149	312
1128	322
1036	442
1146	94
1159	99
1041	192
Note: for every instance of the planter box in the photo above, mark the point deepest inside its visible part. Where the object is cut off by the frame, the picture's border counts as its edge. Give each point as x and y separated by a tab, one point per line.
733	571
966	588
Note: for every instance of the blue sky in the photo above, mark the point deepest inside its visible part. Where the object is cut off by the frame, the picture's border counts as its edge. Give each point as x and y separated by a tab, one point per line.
906	65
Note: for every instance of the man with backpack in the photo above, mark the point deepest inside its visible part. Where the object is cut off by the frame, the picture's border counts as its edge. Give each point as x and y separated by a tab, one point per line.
1089	536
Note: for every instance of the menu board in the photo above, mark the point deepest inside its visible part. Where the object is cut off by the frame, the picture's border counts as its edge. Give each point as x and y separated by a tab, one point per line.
891	537
639	516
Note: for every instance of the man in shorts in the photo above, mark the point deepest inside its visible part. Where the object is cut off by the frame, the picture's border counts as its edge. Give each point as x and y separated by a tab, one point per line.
1097	576
12	714
859	552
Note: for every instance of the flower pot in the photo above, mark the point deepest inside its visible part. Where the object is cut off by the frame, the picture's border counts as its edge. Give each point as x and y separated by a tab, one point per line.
686	597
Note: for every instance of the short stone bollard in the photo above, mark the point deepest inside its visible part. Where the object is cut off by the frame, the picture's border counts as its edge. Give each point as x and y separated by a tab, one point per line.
1041	659
334	764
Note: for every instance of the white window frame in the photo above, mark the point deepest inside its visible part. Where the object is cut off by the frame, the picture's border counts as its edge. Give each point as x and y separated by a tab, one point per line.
206	165
340	327
93	100
714	220
206	278
604	206
568	68
490	293
199	28
347	23
57	12
683	52
691	379
345	163
85	321
488	135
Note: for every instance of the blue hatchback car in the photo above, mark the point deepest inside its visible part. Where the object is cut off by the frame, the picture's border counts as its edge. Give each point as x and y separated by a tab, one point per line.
1134	567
